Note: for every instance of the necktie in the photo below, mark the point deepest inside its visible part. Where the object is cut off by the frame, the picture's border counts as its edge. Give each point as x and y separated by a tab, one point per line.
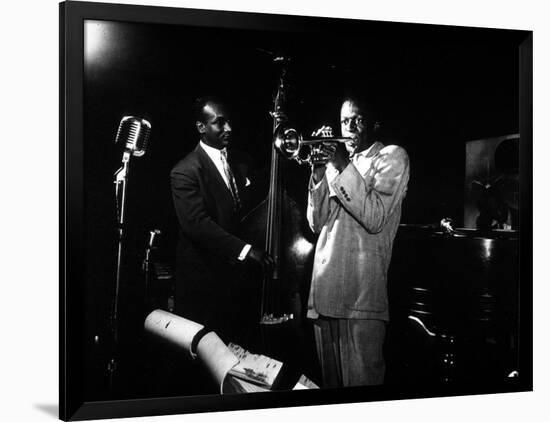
231	179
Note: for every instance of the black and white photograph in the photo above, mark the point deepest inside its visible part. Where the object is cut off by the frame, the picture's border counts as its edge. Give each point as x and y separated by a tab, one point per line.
264	210
278	203
271	204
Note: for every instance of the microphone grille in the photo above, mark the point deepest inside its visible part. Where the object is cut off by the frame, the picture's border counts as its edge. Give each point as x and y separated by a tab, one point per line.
134	132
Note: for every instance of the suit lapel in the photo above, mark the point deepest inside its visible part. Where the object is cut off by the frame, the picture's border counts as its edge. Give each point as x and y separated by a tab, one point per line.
239	178
374	149
214	175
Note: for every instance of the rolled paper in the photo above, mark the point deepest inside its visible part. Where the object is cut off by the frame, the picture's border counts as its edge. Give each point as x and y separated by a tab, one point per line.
217	357
172	328
179	331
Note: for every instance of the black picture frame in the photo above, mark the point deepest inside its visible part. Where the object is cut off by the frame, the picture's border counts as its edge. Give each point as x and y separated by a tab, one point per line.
73	212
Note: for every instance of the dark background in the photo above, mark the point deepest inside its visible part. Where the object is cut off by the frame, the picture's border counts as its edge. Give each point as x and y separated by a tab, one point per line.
433	90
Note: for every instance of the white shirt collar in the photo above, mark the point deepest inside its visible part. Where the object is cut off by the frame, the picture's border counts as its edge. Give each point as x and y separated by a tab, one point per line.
363	160
214	153
368	151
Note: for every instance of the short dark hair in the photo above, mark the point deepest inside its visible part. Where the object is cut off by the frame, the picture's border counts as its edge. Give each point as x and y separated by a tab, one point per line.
200	103
360	102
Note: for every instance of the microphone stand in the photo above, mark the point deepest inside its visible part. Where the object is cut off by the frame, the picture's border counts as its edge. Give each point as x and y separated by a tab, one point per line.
146	267
121	179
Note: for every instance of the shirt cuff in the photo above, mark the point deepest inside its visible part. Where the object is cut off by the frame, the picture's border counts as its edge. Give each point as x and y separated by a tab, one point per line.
244	252
313	185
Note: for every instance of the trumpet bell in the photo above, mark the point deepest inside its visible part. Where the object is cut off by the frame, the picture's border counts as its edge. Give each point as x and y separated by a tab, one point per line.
288	142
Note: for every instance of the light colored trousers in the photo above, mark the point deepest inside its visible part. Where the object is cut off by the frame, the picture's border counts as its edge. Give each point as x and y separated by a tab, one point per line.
350	351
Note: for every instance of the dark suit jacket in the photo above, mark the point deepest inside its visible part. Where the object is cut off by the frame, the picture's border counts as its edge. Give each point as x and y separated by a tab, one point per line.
207	266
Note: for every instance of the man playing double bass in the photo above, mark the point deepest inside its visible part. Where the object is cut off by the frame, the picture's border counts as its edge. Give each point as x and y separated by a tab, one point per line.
209	194
354	203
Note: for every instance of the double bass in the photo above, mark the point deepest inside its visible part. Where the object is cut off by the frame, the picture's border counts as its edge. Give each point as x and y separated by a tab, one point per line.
279	225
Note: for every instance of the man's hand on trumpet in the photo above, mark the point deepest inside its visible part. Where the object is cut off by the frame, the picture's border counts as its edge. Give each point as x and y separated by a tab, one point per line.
327	152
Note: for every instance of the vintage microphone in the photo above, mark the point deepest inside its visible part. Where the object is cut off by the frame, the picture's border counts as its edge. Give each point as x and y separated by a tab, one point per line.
134	133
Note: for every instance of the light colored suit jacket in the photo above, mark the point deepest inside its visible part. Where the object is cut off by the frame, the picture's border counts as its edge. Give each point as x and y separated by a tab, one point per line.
356	232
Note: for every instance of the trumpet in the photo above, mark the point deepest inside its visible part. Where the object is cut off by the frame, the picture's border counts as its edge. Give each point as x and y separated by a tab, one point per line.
290	144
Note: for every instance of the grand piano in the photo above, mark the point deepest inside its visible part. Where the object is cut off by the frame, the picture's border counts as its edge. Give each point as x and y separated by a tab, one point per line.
454	298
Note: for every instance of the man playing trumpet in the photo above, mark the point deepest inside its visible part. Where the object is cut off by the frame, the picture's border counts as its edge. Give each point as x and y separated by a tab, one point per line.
354	204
